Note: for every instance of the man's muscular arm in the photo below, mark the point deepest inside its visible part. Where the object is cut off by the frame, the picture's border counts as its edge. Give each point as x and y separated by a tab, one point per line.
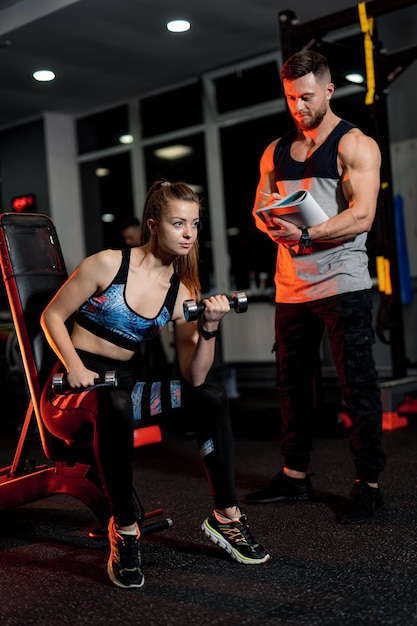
360	162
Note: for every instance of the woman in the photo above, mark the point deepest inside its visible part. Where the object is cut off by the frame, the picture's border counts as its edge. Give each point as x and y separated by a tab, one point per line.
121	298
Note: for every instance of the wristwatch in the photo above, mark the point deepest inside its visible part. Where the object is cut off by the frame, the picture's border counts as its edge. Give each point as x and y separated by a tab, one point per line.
305	242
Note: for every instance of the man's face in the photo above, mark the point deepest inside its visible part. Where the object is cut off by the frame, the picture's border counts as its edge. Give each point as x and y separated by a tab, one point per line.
308	100
131	236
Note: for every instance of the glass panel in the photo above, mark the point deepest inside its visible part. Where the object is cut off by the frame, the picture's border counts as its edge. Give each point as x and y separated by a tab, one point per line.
252	253
190	169
106	185
102	130
247	87
345	56
353	109
172	110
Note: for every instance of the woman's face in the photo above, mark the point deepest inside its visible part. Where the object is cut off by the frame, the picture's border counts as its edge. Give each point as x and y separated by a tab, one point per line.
178	229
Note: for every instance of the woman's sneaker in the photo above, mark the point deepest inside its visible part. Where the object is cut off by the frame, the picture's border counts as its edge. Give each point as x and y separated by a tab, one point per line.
236	538
124	564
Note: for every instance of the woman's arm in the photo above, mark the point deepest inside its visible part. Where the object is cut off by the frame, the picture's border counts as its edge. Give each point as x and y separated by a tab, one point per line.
196	354
86	280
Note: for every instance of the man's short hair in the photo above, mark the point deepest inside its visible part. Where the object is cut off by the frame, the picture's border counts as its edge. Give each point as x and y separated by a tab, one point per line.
130	221
304	62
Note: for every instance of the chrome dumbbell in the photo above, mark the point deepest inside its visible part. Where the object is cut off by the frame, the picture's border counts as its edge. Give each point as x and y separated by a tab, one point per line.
59	381
238	302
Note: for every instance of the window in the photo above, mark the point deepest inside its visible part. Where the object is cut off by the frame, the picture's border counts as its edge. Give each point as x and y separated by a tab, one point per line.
190	169
251	251
248	87
171	110
107	200
102	130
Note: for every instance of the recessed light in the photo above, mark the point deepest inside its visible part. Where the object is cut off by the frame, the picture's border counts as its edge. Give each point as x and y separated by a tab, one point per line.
126	139
355	78
178	26
43	76
173	152
107	218
102	171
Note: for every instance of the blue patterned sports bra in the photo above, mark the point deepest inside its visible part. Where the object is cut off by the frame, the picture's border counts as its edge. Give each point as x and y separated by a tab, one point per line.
109	316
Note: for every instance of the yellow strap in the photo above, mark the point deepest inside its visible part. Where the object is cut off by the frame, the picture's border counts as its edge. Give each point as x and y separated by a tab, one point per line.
388	286
380	272
367	27
383	272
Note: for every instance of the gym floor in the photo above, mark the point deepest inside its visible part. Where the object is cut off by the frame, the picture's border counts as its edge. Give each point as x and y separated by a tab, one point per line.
321	573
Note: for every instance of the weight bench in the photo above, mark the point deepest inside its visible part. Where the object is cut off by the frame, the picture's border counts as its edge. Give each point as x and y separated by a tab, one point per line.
33	270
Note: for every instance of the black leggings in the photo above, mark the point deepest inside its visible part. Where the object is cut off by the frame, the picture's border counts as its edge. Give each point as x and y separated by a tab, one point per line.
206	409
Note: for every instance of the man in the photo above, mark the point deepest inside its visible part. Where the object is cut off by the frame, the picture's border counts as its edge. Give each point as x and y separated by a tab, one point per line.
131	232
322	280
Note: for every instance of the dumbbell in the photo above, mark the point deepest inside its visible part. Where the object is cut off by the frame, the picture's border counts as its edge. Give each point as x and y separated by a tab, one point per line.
238	302
59	381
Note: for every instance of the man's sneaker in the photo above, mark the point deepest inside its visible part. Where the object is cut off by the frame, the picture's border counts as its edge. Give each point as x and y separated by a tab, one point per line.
282	488
236	538
124	564
364	502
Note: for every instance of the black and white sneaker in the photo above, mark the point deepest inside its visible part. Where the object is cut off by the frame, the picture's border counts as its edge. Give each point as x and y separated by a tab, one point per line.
236	538
124	564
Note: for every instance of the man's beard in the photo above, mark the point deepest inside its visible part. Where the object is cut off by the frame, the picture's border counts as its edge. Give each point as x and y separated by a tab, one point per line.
313	122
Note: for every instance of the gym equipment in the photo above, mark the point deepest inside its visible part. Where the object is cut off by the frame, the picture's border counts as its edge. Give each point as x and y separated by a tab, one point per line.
59	381
33	270
238	302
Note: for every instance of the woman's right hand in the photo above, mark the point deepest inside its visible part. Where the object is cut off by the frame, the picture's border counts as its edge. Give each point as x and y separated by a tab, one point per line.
81	377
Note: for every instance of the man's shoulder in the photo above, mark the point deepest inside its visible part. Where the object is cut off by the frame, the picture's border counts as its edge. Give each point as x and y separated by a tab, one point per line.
355	135
356	146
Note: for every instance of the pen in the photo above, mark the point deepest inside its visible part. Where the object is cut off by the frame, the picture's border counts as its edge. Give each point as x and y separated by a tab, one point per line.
265	193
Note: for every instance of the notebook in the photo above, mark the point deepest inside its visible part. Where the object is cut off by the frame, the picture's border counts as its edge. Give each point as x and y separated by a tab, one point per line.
298	207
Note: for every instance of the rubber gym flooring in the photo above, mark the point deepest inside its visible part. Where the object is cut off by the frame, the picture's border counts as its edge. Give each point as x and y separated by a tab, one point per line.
321	573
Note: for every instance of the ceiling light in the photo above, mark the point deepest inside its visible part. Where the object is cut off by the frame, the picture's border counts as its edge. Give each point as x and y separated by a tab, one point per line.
178	26
107	217
173	152
355	78
126	139
43	76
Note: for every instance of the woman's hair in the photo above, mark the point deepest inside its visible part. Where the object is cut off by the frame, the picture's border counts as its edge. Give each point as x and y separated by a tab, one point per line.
158	198
304	62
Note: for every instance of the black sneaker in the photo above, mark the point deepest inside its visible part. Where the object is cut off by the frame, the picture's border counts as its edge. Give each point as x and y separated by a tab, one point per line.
282	488
364	502
124	564
236	539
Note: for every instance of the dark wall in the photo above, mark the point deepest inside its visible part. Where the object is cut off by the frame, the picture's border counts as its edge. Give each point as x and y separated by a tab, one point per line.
23	165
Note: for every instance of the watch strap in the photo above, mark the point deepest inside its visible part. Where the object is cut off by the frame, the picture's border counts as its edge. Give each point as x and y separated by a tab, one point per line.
208	334
305	239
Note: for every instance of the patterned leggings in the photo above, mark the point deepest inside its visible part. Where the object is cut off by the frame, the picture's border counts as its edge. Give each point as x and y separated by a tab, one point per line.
132	404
